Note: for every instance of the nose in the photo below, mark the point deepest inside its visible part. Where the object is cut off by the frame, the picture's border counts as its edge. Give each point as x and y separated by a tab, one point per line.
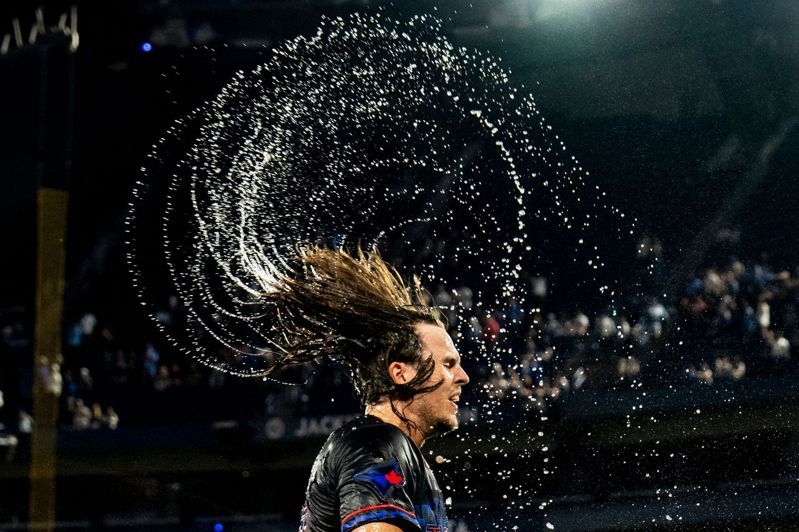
461	378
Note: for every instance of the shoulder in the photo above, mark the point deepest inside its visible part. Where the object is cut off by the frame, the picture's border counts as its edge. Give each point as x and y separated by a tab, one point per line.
368	441
377	476
371	433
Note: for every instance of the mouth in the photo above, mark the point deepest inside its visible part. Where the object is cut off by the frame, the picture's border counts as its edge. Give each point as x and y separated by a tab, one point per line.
454	399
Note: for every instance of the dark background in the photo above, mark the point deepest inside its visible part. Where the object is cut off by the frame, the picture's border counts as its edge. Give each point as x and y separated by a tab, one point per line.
683	111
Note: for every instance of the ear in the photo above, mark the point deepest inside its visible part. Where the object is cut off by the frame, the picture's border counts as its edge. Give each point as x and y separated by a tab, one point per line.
399	372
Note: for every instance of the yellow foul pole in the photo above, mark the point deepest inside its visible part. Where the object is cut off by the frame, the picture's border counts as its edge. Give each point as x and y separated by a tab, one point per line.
51	229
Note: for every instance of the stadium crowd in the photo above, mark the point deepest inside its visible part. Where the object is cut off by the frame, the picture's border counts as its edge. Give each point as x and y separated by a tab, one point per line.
728	322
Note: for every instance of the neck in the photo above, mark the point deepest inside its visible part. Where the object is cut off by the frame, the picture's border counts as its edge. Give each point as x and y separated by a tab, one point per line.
384	412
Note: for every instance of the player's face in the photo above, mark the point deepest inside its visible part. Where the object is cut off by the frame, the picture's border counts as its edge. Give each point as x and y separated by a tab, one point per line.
437	410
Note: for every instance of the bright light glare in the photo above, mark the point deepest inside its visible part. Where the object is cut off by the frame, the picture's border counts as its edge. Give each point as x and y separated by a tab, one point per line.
569	8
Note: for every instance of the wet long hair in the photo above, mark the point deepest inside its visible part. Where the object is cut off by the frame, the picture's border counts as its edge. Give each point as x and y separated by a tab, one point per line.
357	310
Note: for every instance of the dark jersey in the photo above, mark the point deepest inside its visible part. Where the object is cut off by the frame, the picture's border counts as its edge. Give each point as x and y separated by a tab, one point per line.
370	471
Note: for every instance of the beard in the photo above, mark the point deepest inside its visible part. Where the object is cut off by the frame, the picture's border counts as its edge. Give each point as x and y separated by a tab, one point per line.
435	423
443	427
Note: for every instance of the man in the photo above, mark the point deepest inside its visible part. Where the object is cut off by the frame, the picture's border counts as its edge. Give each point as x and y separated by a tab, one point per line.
370	476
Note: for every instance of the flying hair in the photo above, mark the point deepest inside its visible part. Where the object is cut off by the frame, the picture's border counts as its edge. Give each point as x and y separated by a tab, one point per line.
357	310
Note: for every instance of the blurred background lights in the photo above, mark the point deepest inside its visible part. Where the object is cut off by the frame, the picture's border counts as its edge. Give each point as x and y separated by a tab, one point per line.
146	47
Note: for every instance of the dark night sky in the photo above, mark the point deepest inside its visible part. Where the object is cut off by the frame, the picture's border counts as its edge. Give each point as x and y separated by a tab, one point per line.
668	108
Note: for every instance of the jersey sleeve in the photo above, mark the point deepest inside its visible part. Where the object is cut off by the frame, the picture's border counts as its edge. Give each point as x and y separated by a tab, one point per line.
375	485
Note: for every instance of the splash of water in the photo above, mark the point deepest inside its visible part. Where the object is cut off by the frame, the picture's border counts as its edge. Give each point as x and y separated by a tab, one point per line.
371	131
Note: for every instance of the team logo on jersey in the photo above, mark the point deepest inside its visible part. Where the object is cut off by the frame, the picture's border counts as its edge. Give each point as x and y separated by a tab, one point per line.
384	477
432	517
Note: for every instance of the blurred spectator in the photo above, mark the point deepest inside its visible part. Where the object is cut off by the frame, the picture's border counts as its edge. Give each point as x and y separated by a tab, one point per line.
111	418
87	324
55	382
81	415
85	382
490	329
162	380
442	297
151	359
25	425
781	348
